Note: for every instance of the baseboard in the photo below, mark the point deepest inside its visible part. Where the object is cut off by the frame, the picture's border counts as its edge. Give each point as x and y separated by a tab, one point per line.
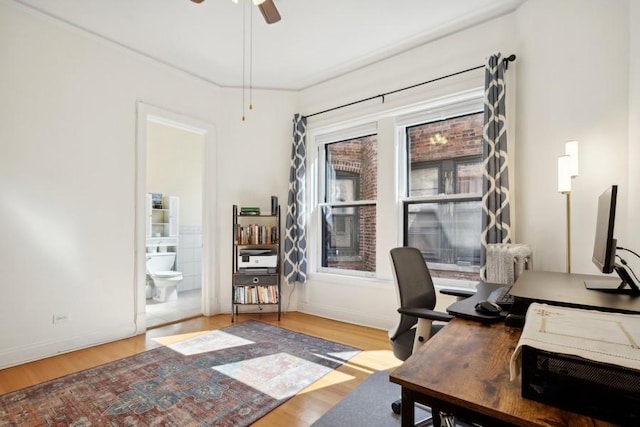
371	320
48	348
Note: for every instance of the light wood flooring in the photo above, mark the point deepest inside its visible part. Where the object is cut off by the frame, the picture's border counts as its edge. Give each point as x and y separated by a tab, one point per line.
301	410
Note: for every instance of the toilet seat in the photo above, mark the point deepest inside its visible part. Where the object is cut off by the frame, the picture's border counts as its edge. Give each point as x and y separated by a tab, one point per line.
166	274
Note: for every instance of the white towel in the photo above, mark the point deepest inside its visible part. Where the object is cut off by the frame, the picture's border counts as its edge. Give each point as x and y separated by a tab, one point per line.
602	337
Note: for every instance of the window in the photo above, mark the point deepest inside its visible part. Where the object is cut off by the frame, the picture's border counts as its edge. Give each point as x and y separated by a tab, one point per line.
442	207
348	214
399	176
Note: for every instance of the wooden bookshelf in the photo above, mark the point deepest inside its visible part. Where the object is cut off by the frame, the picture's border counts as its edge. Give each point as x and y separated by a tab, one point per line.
256	259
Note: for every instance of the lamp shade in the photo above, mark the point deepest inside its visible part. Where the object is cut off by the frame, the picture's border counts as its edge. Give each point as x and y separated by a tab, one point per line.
564	174
571	149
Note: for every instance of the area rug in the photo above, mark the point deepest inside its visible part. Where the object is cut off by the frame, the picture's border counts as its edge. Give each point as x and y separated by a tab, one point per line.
228	377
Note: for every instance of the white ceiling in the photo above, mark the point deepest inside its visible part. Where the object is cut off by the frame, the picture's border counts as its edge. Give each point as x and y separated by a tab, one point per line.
315	40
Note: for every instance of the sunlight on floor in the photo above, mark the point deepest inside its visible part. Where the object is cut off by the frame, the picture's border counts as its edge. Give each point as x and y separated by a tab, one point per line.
212	341
279	375
367	361
374	360
332	378
171	339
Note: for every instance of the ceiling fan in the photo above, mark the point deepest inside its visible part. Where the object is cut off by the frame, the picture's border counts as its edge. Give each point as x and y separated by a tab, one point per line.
267	8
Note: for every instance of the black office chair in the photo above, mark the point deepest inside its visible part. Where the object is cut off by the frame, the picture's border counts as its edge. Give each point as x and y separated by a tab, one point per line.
417	298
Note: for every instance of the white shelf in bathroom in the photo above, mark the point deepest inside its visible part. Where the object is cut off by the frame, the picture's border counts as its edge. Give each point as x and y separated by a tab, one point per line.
162	241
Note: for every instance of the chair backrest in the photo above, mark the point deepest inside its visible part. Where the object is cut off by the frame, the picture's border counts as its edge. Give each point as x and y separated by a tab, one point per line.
413	284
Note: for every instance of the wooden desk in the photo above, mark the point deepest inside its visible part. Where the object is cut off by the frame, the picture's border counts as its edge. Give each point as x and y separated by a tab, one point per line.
464	370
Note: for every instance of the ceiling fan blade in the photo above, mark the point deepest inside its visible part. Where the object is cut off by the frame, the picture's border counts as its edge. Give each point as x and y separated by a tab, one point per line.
267	8
269	11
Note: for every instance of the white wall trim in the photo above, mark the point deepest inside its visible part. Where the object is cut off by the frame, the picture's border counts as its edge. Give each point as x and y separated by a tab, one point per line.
362	318
36	351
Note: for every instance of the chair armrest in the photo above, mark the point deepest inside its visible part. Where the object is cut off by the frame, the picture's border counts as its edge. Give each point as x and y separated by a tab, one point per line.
425	313
464	293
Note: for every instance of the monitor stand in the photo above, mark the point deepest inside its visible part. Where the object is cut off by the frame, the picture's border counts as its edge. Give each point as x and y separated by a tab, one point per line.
626	285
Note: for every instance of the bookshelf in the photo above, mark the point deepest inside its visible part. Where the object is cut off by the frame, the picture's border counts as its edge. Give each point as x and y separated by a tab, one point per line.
256	259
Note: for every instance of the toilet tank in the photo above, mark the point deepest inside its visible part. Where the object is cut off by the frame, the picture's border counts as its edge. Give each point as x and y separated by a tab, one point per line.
160	261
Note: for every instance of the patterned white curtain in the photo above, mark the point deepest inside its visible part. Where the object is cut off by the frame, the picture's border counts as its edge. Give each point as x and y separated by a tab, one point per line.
496	220
295	240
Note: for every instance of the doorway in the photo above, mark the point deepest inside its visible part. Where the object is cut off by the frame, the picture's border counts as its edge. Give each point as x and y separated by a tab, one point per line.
174	165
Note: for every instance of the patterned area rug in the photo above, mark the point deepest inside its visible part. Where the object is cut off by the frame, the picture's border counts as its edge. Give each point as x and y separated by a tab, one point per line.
228	377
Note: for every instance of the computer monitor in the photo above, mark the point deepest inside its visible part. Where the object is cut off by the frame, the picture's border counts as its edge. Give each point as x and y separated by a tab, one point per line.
604	247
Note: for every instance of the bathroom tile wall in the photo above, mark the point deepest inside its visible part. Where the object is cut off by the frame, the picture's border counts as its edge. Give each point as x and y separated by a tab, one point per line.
190	257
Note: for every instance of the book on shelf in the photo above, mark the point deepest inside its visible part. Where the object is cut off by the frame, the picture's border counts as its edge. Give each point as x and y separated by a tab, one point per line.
249	211
256	294
254	234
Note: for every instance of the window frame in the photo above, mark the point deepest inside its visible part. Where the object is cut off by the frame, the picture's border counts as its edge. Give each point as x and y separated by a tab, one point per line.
405	200
388	123
322	140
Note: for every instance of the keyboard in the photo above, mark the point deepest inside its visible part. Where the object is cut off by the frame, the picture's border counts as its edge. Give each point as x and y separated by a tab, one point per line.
502	297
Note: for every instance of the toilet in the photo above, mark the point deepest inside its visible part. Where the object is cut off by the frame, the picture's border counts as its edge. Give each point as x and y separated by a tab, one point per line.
159	267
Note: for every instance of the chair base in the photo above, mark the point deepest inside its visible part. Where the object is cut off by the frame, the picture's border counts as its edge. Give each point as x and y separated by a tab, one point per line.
396	407
446	420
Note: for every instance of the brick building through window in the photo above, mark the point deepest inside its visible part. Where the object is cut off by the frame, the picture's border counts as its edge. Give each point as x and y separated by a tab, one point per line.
443	213
442	204
349	229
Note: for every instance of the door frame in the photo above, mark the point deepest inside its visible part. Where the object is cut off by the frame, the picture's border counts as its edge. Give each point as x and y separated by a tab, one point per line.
210	297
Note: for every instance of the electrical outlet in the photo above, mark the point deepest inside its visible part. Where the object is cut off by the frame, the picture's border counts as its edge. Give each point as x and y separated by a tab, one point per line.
60	318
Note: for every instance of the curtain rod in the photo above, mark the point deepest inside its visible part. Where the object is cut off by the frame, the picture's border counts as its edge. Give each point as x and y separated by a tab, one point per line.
506	61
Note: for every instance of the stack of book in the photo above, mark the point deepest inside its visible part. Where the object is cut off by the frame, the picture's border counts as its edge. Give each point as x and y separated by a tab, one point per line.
255	295
250	211
254	234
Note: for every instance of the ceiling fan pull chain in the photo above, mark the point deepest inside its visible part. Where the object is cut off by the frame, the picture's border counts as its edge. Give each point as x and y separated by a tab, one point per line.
244	53
271	15
251	59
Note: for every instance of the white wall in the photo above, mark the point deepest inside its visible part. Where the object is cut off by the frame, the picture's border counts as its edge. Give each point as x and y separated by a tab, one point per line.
68	165
254	165
68	129
175	161
67	173
372	301
572	84
571	81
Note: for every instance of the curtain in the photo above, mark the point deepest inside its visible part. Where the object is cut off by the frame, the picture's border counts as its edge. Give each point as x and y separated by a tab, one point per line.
496	221
295	240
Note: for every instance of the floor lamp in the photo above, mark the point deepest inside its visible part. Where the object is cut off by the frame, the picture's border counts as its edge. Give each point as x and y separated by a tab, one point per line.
568	169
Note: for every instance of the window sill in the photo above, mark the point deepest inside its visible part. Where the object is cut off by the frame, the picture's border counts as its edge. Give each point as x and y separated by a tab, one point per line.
345	258
440	282
358	277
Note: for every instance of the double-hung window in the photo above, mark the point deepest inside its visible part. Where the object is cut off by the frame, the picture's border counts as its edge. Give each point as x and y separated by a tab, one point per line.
348	210
430	172
443	193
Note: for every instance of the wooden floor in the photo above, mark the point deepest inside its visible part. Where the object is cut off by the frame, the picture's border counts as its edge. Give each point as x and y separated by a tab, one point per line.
301	410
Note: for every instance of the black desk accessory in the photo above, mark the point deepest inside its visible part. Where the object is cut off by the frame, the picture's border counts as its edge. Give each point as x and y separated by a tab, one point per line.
568	290
626	285
488	307
466	308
